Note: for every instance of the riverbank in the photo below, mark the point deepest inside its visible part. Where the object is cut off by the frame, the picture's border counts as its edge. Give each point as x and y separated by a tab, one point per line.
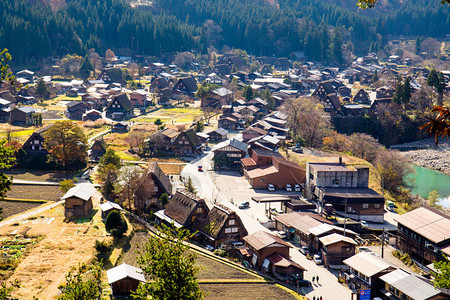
426	154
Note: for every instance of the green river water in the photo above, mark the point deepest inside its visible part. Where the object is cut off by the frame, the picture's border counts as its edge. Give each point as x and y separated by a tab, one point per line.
426	180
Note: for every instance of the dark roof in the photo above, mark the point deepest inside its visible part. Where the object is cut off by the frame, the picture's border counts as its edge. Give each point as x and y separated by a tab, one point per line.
328	87
101	142
115	74
353	195
169	132
221	131
223	69
214	222
193	137
182	205
190	83
335	101
123	101
74	103
161	177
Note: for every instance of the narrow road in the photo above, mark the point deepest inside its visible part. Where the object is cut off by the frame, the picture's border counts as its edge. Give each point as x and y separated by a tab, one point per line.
26	215
31	182
98	135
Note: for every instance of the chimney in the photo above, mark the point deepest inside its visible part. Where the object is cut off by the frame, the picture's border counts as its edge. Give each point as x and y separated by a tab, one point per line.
340	160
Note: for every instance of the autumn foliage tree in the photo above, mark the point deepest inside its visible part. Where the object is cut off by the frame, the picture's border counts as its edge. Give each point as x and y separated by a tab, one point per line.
67	144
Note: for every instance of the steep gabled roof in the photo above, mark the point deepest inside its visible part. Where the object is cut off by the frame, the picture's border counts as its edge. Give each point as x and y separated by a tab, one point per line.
182	205
123	101
190	83
161	177
215	221
193	138
233	143
114	74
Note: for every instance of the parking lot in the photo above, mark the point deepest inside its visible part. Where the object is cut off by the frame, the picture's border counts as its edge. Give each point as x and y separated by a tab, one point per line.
238	190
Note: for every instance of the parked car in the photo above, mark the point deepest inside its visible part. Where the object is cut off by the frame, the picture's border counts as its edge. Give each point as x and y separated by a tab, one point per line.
301	282
246	264
297	188
317	259
237	245
281	234
304	250
390	206
364	224
210	248
244	205
298	150
288	187
364	249
271	187
200	168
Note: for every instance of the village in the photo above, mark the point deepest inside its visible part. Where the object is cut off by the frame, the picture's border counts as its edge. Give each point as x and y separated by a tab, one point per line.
215	140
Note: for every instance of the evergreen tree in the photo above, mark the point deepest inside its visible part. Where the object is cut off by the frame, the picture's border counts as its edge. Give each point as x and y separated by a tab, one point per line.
86	67
375	76
248	93
189	186
399	90
41	89
406	91
417	46
433	78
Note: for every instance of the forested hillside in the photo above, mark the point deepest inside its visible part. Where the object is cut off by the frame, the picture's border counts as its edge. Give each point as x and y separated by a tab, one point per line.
260	27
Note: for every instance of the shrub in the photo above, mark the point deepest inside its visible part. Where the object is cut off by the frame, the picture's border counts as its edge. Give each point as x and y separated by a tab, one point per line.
220	252
103	248
115	221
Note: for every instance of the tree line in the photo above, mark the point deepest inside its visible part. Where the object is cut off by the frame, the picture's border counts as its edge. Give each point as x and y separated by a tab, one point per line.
33	32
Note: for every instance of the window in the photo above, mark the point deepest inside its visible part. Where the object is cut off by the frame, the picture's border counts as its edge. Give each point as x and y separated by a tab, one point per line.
365	205
199	210
180	142
155	188
233	155
234	229
36	142
231	222
186	142
346	248
349	209
335	181
227	230
376	205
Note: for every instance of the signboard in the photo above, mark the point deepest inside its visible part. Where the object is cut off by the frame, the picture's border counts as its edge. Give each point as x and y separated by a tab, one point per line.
364	295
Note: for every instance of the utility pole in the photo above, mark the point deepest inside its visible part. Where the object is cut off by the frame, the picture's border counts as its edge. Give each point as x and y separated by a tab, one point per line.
345	208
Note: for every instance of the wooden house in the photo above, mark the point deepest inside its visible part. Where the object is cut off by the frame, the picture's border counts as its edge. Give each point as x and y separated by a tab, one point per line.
362	97
22	116
34	145
91	115
184	209
161	140
156	184
229	153
218	135
271	254
120	127
75	110
185	85
79	200
336	248
221	226
97	149
332	104
324	88
119	108
111	75
366	268
252	132
124	279
186	143
138	98
108	207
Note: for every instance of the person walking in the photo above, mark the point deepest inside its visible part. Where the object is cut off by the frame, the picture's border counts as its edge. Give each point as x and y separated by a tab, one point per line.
313	279
314	297
320	297
317	278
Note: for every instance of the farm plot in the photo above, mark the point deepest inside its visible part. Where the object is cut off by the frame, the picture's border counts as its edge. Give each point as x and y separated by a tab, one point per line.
39	175
35	192
12	250
241	291
179	115
11	208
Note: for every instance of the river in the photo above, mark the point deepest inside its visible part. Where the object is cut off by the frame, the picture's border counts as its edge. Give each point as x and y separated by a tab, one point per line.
426	180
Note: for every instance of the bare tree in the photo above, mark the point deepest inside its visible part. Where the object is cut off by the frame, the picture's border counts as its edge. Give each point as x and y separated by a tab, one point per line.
127	183
391	170
156	144
96	60
143	192
307	120
136	139
208	113
110	56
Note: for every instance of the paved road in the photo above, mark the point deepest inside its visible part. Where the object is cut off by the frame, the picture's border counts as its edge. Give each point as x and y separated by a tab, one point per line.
329	288
98	135
31	182
26	215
